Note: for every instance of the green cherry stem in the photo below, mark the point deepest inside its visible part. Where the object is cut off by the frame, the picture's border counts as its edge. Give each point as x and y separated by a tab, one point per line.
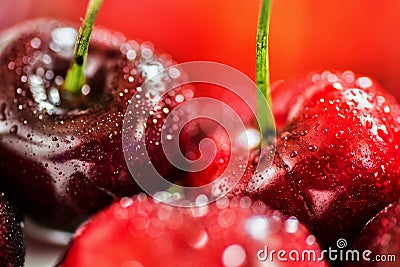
262	67
76	78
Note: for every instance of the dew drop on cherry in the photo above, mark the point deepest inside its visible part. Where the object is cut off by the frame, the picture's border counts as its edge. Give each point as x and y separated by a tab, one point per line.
339	134
312	148
14	129
303	133
293	154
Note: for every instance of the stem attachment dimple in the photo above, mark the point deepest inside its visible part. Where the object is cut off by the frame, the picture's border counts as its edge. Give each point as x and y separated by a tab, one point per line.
76	77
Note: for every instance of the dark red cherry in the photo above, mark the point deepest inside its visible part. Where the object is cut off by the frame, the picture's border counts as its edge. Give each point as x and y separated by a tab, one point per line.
379	242
141	232
336	163
12	248
61	162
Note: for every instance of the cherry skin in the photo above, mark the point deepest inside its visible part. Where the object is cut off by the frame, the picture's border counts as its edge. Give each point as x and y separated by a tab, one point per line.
60	160
12	248
141	232
336	163
382	237
230	147
191	137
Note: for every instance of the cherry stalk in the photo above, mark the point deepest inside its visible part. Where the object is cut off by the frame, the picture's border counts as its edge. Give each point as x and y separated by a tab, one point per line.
76	78
262	68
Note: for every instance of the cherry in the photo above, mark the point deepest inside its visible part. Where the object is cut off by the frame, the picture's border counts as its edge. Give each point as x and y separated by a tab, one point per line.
381	236
12	248
336	163
139	231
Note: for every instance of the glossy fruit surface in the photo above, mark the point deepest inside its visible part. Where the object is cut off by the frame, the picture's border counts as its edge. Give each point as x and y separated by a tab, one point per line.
336	162
141	232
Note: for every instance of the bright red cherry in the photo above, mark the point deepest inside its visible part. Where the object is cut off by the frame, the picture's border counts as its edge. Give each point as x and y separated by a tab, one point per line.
336	162
141	232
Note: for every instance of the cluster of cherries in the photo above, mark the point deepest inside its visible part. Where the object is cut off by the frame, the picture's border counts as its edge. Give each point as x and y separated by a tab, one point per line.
333	166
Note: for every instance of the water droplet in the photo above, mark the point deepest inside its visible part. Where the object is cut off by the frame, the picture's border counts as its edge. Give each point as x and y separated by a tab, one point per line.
285	136
310	240
364	82
312	148
64	37
85	89
386	109
59	80
35	42
293	154
257	227
11	65
331	78
348	76
174	73
250	138
337	86
14	129
201	200
339	134
179	98
46	59
126	202
291	225
131	54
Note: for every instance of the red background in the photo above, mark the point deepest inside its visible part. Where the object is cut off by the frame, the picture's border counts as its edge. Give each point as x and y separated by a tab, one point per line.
362	35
